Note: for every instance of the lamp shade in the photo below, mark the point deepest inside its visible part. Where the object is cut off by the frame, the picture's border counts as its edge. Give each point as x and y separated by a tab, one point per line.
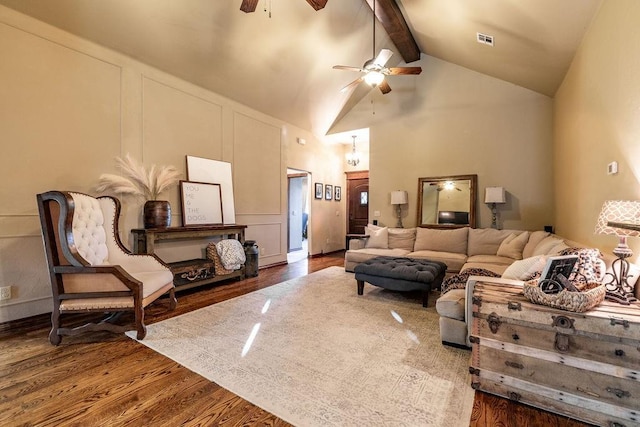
398	197
494	195
619	211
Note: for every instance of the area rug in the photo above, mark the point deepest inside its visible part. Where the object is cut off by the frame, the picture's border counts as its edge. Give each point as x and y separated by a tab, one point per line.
314	353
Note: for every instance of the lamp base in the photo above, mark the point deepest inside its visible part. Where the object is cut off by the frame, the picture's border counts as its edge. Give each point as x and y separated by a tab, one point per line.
399	212
494	216
618	289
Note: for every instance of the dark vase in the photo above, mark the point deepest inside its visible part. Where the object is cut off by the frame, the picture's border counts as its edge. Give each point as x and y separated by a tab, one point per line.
157	214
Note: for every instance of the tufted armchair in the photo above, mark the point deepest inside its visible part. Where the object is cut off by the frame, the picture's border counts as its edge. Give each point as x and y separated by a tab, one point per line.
90	270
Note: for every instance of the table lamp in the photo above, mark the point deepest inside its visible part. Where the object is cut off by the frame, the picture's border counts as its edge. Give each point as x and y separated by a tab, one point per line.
399	198
493	196
621	218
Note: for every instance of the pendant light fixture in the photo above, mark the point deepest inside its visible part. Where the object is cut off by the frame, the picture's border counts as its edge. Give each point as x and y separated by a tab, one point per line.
353	158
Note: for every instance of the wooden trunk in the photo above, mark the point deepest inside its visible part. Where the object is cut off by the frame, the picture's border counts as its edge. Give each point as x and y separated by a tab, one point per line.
582	365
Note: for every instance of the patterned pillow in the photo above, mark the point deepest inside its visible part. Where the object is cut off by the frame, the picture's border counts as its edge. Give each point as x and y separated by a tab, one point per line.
588	269
459	281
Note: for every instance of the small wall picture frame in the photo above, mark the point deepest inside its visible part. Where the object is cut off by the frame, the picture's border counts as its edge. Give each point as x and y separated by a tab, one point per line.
318	194
328	192
201	203
337	193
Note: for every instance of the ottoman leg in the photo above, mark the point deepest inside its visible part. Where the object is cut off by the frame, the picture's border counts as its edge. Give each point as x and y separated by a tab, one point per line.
425	297
360	286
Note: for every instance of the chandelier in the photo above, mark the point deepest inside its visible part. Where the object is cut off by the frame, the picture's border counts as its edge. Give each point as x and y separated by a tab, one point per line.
353	158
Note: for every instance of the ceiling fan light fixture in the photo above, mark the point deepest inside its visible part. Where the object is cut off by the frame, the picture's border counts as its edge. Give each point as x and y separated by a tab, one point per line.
374	78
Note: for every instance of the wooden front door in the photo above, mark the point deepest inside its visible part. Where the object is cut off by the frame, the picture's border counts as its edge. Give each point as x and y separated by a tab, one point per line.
358	203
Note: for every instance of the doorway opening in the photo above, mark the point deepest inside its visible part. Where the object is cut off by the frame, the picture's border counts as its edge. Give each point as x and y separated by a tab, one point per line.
299	206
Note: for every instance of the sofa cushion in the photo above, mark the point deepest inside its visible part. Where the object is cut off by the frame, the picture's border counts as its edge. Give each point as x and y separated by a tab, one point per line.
451	304
490	259
432	239
526	268
498	269
513	245
486	241
454	261
402	238
361	255
534	239
378	239
547	246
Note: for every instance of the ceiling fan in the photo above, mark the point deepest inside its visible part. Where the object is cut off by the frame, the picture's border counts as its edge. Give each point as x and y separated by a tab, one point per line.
374	69
249	6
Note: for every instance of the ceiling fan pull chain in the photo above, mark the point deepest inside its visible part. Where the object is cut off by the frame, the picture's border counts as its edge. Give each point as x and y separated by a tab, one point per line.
265	7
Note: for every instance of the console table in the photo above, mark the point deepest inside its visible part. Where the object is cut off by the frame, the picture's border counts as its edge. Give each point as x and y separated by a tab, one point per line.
200	270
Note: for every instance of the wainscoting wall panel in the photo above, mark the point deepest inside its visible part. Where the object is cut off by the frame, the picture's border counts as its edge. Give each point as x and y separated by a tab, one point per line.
258	172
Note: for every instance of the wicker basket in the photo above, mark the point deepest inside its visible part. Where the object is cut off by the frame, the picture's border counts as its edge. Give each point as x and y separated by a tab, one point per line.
578	302
212	254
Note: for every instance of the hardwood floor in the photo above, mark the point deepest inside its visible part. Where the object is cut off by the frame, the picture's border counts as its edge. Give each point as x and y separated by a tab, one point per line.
107	379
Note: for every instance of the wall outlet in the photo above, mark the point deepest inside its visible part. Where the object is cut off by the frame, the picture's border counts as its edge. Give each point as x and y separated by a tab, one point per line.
5	293
327	241
261	251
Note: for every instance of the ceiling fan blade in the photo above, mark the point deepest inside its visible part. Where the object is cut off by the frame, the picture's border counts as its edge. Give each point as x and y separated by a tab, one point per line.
383	57
345	67
317	4
384	87
354	83
395	71
249	6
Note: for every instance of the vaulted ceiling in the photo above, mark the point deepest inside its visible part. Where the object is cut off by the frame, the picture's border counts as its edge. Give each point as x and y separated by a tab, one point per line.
279	59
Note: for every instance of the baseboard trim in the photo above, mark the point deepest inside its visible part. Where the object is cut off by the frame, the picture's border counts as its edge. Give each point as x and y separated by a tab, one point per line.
325	253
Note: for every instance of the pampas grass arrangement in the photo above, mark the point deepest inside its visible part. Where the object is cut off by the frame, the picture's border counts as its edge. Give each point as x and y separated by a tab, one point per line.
137	180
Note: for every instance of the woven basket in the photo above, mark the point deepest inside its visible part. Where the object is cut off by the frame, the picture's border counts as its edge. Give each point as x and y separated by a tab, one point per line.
212	254
578	302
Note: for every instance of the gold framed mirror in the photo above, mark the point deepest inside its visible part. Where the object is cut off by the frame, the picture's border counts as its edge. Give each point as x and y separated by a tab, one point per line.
447	201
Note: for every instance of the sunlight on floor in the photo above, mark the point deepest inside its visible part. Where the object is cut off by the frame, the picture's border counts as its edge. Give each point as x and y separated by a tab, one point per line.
299	254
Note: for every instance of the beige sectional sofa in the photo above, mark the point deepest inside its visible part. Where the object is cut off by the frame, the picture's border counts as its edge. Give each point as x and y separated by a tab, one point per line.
508	253
459	248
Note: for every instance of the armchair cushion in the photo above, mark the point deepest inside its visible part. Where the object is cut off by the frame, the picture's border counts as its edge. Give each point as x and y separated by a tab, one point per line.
88	229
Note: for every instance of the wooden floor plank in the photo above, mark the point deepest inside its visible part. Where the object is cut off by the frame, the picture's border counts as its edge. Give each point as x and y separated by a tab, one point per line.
105	379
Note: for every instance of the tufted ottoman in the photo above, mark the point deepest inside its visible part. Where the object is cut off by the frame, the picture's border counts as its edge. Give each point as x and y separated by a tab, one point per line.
401	274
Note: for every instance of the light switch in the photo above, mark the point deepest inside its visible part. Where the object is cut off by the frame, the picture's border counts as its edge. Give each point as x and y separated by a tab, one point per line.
376	213
612	168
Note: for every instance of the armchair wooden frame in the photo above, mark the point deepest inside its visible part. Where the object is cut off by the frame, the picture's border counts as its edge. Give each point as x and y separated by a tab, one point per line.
56	210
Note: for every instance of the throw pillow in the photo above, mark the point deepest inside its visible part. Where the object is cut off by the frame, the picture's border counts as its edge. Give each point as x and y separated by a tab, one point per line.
378	239
513	245
526	268
588	268
546	246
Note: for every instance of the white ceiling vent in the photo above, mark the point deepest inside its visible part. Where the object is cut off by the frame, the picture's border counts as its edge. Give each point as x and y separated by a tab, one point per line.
485	39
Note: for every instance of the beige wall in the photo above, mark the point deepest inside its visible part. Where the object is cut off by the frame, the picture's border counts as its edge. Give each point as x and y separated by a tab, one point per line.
597	121
68	107
457	122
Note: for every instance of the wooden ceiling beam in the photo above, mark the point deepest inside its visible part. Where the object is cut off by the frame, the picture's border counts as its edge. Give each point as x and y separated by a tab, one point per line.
248	6
317	4
390	16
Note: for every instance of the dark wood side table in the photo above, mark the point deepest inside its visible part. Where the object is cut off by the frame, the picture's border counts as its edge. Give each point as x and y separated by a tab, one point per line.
353	236
145	240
